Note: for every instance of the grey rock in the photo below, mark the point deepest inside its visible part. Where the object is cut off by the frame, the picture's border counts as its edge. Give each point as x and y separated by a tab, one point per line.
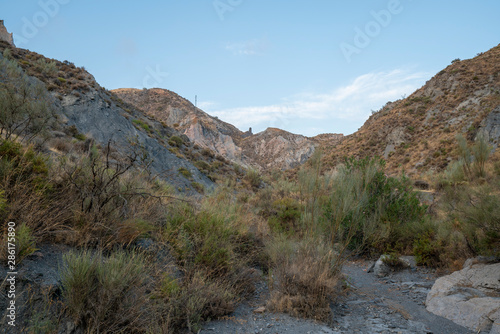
491	125
469	297
93	115
381	269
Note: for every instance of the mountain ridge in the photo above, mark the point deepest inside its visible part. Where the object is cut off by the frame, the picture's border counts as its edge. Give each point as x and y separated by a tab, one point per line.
268	149
418	133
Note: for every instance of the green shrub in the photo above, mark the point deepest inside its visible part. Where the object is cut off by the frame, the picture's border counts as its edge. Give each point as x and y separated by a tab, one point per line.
25	241
393	261
46	67
287	215
253	178
214	250
372	210
175	141
105	294
26	107
477	208
169	286
185	172
203	166
473	158
80	136
426	251
142	124
7	53
452	175
18	164
198	187
3	202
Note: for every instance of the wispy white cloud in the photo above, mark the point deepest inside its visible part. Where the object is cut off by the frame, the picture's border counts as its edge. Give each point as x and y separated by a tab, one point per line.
248	48
352	102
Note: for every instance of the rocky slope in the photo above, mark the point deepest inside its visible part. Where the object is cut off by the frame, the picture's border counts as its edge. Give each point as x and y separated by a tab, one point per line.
271	148
275	148
86	111
418	133
177	112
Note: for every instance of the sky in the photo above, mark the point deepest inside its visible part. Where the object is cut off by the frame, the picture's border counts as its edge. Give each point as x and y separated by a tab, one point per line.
308	67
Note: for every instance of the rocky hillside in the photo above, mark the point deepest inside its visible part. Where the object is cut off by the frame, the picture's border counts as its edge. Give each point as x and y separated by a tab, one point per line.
88	113
177	112
271	148
418	133
275	148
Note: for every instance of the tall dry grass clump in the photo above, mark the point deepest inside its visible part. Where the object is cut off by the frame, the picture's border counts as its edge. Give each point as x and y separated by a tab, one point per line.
305	277
106	294
215	250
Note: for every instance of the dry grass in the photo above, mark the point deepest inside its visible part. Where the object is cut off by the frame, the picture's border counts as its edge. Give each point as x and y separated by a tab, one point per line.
304	279
215	249
106	294
63	77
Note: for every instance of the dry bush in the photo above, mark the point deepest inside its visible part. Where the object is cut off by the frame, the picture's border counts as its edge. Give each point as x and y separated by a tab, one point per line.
30	197
305	278
113	205
188	303
61	144
215	250
79	201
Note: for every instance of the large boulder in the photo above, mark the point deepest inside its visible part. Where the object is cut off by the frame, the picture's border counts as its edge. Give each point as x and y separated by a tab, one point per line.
469	297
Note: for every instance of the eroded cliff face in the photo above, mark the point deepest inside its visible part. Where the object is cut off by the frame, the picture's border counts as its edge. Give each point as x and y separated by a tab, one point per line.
278	149
174	111
272	148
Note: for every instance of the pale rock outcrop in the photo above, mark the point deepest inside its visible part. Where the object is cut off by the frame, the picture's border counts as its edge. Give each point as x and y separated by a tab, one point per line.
5	35
469	297
279	149
394	139
381	269
272	148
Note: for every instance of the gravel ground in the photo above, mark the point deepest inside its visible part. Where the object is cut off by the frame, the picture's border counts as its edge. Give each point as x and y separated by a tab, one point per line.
394	304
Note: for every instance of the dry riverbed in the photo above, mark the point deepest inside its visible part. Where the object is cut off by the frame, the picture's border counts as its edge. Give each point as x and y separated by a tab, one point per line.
393	304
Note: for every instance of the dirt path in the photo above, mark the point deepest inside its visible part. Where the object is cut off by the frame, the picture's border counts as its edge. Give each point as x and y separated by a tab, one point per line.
371	305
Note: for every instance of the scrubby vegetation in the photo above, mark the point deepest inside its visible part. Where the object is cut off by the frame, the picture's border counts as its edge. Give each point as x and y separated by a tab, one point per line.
141	258
292	233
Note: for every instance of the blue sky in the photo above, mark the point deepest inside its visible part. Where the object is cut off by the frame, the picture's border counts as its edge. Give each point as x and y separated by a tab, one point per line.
308	67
